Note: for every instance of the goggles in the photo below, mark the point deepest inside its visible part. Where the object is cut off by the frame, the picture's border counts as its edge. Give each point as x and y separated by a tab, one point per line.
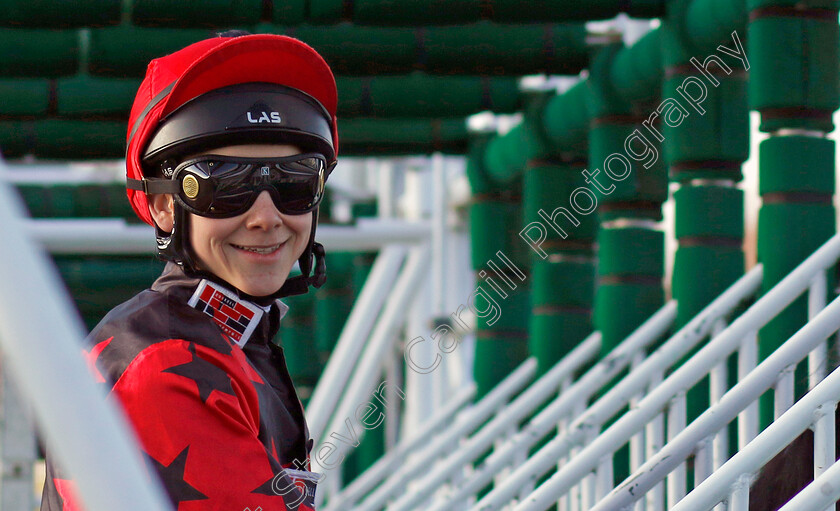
222	186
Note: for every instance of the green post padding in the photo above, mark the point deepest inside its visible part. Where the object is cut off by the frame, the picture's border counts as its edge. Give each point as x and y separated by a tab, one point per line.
620	308
207	13
720	134
494	226
289	12
795	73
38	53
53	14
701	274
548	186
93	96
422	95
507	156
24	97
297	338
711	22
126	50
76	200
496	356
709	211
633	182
63	139
562	295
400	136
630	270
100	283
631	251
333	302
636	71
566	119
797	164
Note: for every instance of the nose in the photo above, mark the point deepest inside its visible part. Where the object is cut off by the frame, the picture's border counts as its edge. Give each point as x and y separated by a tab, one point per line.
263	214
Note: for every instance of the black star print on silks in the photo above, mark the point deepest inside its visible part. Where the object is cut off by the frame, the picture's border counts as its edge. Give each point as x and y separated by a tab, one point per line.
172	476
207	376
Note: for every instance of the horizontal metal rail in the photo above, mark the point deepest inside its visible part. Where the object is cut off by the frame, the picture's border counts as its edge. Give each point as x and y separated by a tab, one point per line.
353	337
717	417
366	373
115	236
394	458
720	347
574	397
536	394
441	445
585	428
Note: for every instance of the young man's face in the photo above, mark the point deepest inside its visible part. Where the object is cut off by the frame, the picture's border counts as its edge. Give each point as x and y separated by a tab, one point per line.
256	250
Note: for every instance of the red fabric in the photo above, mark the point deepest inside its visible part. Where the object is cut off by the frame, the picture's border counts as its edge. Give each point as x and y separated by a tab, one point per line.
219	62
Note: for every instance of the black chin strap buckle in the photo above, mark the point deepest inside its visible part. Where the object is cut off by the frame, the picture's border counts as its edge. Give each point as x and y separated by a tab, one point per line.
300	284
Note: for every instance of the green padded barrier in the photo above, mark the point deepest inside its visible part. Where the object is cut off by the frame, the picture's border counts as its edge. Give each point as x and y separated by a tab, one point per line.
23	97
421	95
494	226
631	251
797	164
480	182
550	186
401	136
563	283
414	12
38	53
566	119
333	302
636	72
795	66
289	12
508	155
76	200
297	338
92	96
711	22
554	333
602	99
370	449
721	133
496	356
481	48
63	139
206	13
620	308
60	14
447	12
100	283
633	183
709	211
125	51
487	48
701	274
811	4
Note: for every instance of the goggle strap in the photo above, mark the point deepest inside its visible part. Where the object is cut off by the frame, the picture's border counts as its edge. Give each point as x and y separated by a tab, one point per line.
153	186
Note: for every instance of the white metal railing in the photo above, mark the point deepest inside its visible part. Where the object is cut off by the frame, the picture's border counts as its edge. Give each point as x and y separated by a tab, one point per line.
41	338
441	445
669	396
573	445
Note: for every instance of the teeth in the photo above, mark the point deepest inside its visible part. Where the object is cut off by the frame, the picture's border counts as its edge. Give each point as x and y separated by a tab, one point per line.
257	250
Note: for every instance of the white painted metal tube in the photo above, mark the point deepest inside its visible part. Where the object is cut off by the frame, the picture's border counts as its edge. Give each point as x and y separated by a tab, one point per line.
523	405
747	360
768	306
465	424
114	236
388	463
41	339
654	366
367	373
353	336
719	416
578	393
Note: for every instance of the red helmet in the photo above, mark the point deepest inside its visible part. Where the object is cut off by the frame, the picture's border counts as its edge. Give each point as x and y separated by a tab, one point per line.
173	82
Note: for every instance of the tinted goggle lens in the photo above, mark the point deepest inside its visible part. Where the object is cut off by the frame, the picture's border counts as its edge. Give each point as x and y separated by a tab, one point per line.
220	186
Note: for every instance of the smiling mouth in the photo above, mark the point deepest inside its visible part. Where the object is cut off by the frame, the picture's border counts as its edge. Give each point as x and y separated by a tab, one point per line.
258	250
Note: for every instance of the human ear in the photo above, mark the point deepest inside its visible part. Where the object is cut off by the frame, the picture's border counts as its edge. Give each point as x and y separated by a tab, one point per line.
163	211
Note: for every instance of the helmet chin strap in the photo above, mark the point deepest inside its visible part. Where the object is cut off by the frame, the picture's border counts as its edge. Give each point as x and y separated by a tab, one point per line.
174	246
